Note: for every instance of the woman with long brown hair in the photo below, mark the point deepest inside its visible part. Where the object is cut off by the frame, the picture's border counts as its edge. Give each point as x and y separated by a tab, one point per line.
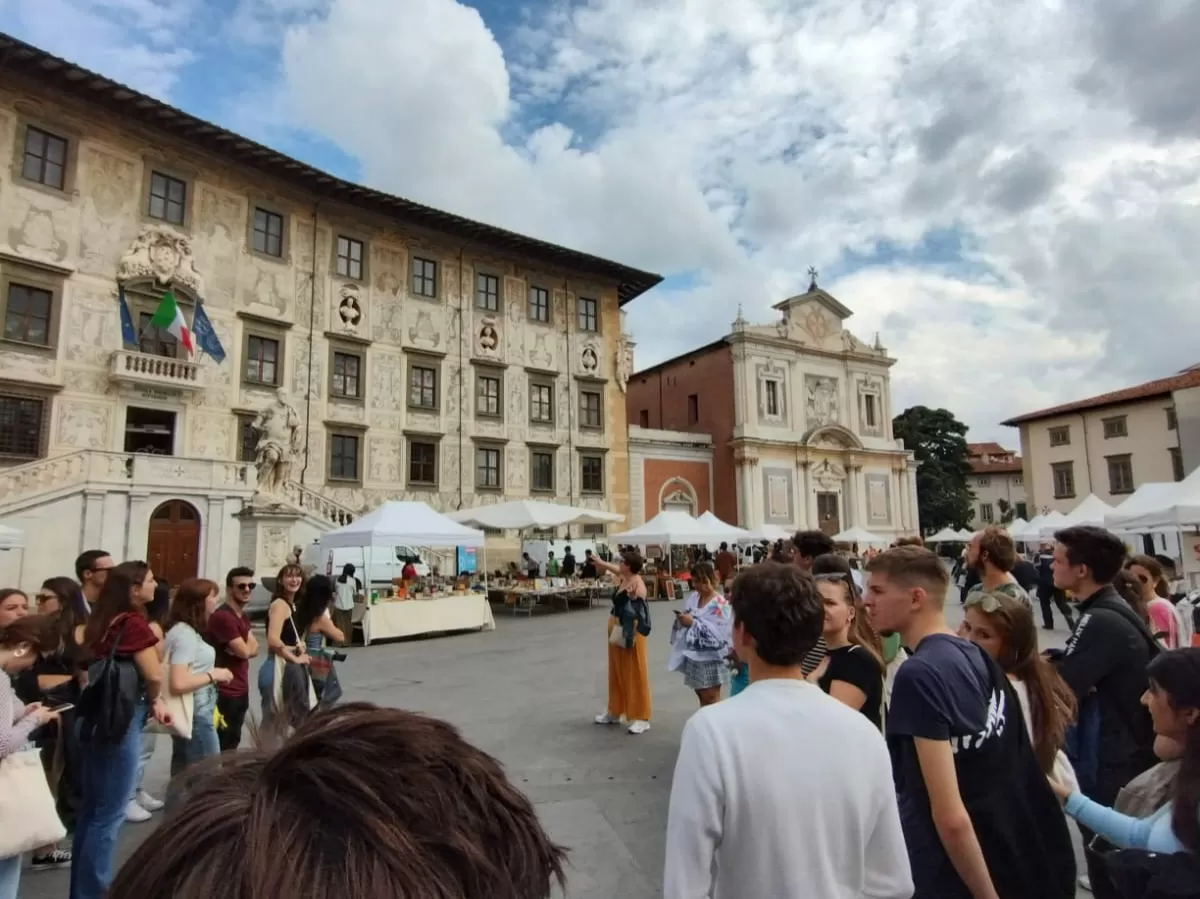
1004	628
702	637
852	670
1152	582
628	627
117	628
283	679
191	669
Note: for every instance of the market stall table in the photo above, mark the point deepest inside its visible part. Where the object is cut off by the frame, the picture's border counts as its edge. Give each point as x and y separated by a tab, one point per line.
521	598
392	619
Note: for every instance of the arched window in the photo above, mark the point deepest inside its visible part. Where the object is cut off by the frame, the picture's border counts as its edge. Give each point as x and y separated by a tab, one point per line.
677	495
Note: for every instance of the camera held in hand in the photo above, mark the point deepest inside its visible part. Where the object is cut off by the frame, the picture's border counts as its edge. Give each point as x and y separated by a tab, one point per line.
338	656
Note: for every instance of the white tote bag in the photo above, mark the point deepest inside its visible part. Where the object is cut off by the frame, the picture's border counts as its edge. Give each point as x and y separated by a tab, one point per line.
28	818
181	706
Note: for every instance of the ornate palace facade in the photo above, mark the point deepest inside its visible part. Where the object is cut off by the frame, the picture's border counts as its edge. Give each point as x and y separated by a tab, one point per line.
408	353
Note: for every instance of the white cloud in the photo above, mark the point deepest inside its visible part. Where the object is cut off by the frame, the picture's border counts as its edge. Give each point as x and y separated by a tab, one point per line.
740	141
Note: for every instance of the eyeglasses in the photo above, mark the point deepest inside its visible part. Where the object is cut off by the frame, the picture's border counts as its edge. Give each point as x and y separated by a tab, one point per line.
245	588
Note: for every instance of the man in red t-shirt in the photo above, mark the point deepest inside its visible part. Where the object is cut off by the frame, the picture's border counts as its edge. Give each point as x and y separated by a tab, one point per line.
229	633
726	563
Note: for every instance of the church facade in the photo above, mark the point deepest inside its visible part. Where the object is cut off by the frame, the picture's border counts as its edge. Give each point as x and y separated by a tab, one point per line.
800	414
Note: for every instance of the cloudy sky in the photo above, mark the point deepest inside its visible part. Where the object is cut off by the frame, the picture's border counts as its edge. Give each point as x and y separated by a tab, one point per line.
1006	190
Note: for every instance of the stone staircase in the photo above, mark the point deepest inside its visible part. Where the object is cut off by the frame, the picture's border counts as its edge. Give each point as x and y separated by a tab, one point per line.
25	487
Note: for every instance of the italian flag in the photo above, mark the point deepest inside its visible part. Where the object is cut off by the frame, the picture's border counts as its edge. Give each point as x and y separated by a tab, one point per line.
168	317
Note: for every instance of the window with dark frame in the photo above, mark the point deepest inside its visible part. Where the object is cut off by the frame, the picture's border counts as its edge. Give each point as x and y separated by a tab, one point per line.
424	277
1060	436
21	420
349	258
591	474
541	475
155	341
487	467
772	388
644	418
422	385
590	409
422	463
262	360
346	372
693	408
986	513
248	442
589	314
487	292
1117	426
1063	477
268	232
45	160
870	412
1176	463
27	314
343	457
539	304
487	394
1120	473
168	198
541	403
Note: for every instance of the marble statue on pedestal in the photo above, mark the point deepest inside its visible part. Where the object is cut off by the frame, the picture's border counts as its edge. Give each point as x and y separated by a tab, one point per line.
278	429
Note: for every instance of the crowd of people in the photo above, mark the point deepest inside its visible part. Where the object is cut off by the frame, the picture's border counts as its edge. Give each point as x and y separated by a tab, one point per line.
874	751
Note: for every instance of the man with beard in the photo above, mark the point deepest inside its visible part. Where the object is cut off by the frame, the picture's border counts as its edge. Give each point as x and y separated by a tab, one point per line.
992	555
229	632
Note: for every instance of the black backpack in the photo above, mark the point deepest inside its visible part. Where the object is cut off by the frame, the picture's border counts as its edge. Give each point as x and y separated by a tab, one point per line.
106	705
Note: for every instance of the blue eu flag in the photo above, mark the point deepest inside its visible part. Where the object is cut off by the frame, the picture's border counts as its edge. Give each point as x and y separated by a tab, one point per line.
206	335
129	333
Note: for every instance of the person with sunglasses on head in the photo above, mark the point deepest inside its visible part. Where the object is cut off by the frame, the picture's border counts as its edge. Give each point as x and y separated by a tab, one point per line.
229	632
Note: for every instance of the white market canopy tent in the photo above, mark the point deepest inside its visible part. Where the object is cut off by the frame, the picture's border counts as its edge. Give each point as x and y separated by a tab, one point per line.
857	534
1180	509
965	535
720	530
1148	498
11	538
398	523
1016	526
670	527
1091	511
530	513
770	533
945	535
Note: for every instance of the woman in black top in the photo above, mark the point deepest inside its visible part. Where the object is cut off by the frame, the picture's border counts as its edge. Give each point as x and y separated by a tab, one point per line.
853	669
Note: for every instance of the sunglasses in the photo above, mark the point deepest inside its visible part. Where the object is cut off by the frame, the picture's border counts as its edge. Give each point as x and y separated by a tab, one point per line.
43	598
988	603
245	588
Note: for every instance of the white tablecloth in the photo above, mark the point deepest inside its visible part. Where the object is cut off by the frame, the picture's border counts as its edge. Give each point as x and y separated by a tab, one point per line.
388	620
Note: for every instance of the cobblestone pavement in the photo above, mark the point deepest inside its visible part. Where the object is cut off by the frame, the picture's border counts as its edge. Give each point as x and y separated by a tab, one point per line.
527	693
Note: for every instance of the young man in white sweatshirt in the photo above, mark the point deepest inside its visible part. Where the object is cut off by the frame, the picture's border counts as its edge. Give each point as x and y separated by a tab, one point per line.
782	792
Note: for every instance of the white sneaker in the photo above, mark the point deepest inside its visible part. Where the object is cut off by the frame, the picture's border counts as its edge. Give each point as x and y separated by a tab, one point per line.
135	814
148	802
639	727
606	719
1085	883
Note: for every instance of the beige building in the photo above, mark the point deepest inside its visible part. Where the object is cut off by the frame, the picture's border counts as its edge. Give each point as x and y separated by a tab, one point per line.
998	482
1111	444
422	355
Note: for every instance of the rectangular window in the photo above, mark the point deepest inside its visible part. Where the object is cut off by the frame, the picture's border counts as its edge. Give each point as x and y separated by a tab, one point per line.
422	463
343	457
45	159
1176	463
772	388
1063	475
589	314
870	410
262	360
693	411
644	418
346	371
268	233
27	314
21	426
590	409
1017	481
1172	421
487	395
591	474
1120	473
986	515
349	258
539	304
424	277
168	198
1023	511
1116	426
487	292
983	482
153	341
247	439
541	403
541	473
422	387
487	468
1060	436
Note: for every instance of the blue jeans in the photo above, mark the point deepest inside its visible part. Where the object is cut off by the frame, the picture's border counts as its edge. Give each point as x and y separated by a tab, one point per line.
149	741
109	778
10	876
203	744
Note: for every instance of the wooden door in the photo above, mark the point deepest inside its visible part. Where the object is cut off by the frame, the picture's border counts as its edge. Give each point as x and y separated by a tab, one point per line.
174	546
827	513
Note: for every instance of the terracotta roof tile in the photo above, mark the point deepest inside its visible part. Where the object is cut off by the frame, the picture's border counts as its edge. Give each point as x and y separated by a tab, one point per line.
986	449
1151	389
1013	467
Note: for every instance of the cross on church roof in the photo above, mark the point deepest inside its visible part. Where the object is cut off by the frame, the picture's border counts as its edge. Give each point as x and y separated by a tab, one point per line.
812	277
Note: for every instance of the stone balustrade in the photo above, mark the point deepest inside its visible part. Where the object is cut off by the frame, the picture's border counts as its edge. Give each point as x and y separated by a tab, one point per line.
148	370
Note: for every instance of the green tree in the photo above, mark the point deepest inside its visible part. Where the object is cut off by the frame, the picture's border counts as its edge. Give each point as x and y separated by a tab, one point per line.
938	441
1007	512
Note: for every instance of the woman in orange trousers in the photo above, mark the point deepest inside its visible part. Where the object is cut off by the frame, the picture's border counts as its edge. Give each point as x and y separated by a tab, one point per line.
628	627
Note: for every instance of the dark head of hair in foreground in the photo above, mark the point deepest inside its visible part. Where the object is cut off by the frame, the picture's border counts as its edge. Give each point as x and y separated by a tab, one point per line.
362	802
